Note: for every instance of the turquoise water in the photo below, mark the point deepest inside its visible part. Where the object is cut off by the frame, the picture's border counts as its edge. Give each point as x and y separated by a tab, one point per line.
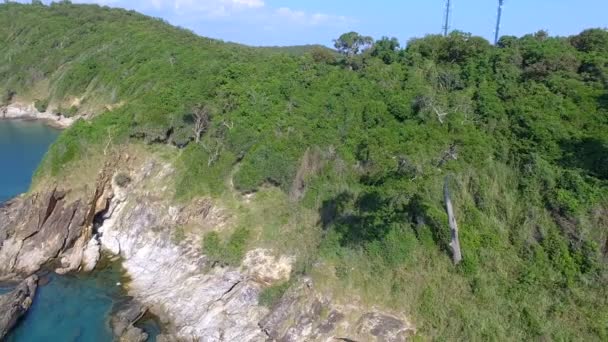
66	308
71	308
22	146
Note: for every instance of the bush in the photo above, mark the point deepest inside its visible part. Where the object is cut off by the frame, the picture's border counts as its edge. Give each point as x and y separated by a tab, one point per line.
228	253
41	105
70	112
122	179
179	235
271	295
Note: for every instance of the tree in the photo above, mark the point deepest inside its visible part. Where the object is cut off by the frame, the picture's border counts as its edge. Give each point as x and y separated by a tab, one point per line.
323	55
455	243
591	40
202	117
386	49
352	43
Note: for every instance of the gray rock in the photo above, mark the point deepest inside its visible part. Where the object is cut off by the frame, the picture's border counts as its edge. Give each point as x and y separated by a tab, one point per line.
40	228
15	304
374	326
305	315
122	323
195	302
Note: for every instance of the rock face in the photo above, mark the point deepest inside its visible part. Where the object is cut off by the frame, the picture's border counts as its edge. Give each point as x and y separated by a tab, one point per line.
169	275
172	278
15	304
303	314
37	229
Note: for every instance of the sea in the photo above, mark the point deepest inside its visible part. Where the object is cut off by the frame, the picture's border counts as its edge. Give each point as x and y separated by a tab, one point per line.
69	307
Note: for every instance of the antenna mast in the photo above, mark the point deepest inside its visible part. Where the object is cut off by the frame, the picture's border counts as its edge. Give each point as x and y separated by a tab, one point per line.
446	25
497	32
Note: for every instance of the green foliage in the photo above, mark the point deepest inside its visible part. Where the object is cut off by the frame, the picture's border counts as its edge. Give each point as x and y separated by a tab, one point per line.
178	235
196	176
352	43
41	105
122	179
229	252
272	294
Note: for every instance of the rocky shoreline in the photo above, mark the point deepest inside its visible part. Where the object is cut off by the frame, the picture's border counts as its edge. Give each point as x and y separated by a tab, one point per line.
172	279
17	111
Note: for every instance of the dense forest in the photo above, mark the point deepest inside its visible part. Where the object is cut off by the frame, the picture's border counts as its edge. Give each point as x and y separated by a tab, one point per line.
366	136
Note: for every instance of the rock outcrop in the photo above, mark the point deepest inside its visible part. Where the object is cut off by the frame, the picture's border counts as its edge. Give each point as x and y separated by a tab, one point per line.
36	229
29	112
170	276
304	314
15	304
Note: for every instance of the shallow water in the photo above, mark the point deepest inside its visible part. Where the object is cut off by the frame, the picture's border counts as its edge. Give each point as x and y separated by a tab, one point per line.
71	308
66	308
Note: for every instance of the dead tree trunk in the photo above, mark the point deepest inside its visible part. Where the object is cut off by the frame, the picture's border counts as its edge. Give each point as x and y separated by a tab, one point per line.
455	244
202	116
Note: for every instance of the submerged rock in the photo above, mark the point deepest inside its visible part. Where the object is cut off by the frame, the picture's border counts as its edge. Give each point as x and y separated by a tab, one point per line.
123	321
15	304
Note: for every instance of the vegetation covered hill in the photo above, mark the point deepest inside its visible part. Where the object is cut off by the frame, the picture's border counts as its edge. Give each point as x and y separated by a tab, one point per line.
519	130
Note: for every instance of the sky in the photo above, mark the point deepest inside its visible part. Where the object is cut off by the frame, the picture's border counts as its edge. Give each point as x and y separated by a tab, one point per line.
296	22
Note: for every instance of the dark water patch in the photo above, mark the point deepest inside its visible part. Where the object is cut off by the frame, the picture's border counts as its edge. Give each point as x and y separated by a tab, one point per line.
151	325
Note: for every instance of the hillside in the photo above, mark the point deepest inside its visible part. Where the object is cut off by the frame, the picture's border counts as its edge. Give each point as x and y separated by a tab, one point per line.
346	158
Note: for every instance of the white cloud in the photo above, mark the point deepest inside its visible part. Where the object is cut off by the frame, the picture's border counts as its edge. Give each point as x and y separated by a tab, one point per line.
212	8
248	3
314	19
254	22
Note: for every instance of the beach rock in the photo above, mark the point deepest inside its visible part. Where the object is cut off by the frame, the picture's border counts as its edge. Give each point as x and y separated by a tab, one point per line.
29	112
15	304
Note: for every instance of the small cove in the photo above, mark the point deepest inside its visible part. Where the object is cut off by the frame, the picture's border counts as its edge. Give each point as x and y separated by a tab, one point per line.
66	308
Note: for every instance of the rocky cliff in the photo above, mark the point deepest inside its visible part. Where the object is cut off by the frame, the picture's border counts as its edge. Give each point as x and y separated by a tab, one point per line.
128	214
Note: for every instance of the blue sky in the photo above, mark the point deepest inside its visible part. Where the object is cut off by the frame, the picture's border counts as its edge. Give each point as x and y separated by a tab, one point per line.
290	22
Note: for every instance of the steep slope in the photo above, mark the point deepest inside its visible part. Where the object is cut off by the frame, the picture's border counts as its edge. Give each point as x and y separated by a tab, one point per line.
341	163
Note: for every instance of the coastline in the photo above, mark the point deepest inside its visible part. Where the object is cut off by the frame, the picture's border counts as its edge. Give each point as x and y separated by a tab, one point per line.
23	112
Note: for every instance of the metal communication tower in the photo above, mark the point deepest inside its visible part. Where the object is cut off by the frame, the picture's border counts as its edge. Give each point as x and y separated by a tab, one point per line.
497	32
446	24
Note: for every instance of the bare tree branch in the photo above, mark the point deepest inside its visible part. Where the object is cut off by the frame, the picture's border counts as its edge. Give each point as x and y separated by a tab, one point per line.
202	117
455	244
108	143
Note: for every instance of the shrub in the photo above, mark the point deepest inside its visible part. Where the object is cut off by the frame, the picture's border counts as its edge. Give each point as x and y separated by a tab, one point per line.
41	105
178	235
226	253
272	294
122	179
